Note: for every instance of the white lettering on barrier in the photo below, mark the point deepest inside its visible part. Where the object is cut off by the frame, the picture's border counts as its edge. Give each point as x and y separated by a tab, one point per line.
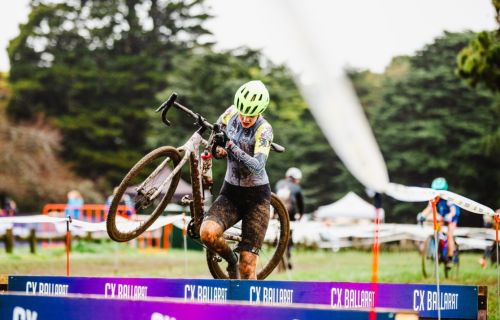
46	288
270	295
447	301
420	296
351	298
125	290
19	313
204	293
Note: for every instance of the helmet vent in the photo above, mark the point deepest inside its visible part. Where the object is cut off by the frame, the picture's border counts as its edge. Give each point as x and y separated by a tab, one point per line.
246	94
253	110
253	97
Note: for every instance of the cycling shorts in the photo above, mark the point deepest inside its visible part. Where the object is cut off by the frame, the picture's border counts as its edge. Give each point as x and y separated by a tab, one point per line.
251	205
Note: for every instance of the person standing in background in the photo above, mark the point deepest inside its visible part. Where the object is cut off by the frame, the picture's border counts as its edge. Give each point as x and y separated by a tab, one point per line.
74	204
290	193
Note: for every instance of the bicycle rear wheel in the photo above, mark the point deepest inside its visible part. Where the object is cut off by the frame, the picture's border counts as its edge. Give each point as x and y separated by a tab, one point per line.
428	257
272	251
142	181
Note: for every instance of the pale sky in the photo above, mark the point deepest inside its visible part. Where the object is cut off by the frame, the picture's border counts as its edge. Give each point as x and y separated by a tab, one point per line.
358	33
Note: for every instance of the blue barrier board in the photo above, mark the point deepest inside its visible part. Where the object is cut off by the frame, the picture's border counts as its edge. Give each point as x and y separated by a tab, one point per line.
455	301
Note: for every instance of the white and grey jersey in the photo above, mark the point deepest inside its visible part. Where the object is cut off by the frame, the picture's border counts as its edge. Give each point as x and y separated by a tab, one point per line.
246	161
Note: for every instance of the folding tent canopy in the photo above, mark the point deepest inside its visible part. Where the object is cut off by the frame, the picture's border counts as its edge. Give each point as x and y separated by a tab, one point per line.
351	206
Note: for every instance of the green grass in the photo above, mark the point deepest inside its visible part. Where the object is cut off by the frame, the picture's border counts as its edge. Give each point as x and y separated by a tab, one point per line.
113	259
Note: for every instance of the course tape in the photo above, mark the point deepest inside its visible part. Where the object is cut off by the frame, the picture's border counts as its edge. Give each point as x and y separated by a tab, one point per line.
88	226
418	194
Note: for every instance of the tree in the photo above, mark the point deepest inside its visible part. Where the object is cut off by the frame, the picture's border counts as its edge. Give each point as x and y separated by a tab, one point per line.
30	170
93	67
431	124
479	61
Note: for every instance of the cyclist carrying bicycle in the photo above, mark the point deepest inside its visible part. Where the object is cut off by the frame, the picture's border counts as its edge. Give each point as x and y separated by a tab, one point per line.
245	194
447	212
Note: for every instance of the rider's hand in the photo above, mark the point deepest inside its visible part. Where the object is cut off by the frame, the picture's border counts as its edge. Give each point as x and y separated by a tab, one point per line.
220	152
221	138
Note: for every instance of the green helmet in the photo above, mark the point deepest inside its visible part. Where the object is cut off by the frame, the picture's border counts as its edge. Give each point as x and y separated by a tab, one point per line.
439	184
252	98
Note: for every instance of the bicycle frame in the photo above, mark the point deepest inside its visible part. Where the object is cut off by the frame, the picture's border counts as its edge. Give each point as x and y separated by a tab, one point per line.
190	152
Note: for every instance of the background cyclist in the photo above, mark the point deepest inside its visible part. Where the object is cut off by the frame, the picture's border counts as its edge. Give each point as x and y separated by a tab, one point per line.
447	212
245	194
290	192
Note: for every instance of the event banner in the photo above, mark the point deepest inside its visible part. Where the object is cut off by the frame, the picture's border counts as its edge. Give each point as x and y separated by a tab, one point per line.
29	307
455	301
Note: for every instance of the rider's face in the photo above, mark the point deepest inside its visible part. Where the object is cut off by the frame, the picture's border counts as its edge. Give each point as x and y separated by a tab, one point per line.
247	121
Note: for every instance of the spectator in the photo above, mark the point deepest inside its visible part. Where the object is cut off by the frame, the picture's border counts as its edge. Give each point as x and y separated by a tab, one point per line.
74	204
125	200
290	192
8	206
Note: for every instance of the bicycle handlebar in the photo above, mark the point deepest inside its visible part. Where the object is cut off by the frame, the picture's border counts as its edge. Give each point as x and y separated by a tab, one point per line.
171	102
202	122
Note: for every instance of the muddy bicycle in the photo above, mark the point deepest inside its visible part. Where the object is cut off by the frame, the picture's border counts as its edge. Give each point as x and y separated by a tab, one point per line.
154	180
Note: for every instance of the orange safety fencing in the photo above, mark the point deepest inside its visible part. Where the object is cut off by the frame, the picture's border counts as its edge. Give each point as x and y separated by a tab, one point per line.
86	212
155	239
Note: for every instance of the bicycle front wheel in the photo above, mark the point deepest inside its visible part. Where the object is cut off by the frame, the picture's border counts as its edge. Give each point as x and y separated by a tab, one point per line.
272	251
453	267
149	185
428	257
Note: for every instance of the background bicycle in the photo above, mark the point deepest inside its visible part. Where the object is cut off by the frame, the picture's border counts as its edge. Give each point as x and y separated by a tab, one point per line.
428	253
154	179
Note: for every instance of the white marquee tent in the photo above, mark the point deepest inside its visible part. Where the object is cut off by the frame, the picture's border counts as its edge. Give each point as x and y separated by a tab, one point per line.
351	206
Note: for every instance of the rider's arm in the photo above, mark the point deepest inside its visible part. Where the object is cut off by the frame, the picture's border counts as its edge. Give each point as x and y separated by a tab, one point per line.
452	213
263	139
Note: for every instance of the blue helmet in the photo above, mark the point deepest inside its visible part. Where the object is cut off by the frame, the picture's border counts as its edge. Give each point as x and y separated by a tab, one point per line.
439	184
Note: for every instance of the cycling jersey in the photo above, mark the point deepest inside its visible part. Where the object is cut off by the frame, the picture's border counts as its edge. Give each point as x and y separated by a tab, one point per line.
247	156
443	208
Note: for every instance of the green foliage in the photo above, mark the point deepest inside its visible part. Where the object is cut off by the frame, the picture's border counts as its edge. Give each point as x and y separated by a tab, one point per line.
429	124
93	67
479	62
